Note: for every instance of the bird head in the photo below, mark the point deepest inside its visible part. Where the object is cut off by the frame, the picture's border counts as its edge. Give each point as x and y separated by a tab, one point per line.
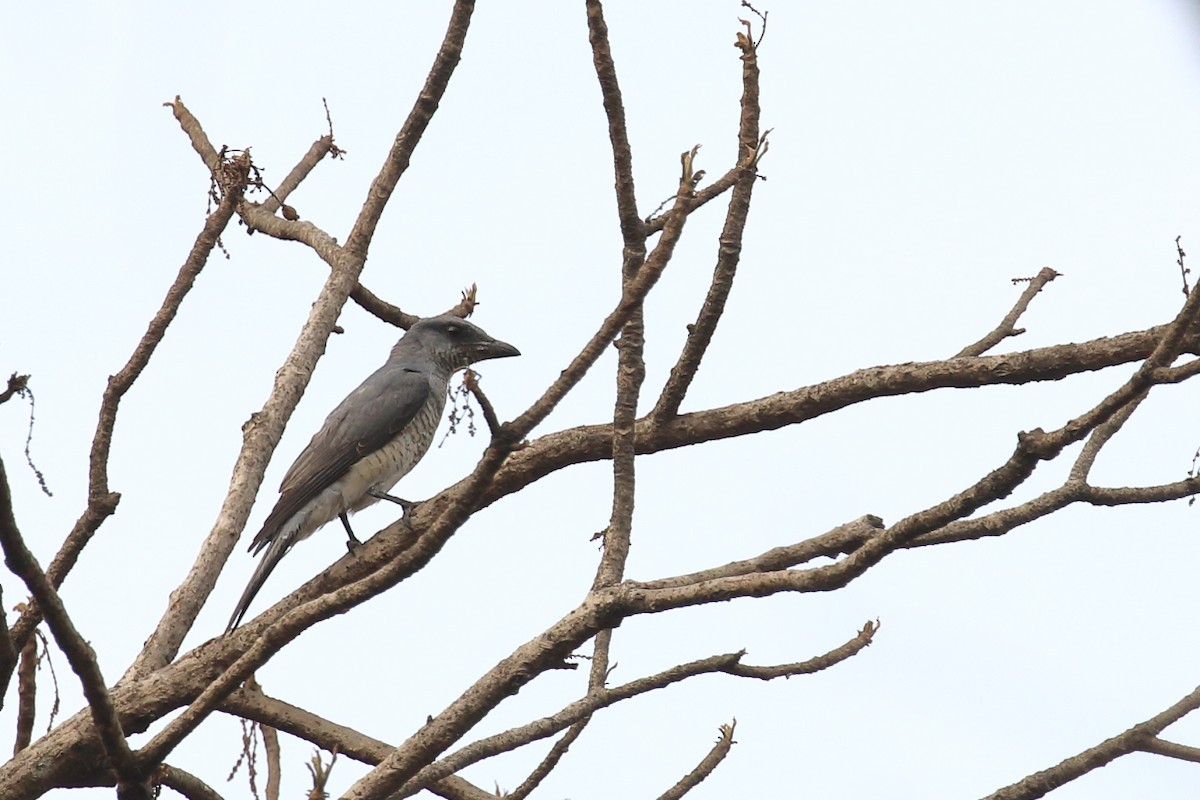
453	342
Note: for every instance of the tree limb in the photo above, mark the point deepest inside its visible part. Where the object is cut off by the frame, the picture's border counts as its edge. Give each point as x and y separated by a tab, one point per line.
131	777
706	766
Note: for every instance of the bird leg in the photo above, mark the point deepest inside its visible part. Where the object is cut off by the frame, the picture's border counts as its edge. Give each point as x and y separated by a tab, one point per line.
406	505
352	542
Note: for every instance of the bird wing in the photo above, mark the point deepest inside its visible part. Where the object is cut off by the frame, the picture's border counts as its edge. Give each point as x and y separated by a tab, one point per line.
365	421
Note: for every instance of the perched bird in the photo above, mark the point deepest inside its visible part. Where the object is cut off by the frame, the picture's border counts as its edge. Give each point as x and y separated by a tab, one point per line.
371	440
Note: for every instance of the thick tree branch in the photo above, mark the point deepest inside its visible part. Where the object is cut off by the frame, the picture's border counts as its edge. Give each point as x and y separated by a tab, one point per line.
131	778
586	443
1032	448
631	368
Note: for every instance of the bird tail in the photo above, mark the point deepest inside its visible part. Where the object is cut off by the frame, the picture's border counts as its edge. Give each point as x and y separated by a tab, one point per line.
276	550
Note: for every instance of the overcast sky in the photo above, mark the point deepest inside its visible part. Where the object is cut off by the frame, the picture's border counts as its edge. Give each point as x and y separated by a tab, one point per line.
923	155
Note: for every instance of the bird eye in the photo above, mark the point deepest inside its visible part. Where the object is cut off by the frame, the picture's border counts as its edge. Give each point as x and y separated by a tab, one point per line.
454	330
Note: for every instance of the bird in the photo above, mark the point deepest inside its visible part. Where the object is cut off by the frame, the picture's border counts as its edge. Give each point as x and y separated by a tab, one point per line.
370	441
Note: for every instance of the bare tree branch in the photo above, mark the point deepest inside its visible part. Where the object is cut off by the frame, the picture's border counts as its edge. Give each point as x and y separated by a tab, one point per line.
1139	737
836	656
307	163
332	736
614	110
599	697
102	502
549	761
414	127
1172	750
700	332
631	368
270	739
548	726
586	443
705	768
262	434
185	783
26	695
1007	326
131	777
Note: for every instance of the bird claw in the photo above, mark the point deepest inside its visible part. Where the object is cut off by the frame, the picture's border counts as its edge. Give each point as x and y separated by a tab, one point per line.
405	505
352	545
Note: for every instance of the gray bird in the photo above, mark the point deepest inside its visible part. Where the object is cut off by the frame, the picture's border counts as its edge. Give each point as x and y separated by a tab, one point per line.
371	440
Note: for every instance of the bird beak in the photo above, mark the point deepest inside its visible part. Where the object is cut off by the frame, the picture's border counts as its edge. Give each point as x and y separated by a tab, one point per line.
494	349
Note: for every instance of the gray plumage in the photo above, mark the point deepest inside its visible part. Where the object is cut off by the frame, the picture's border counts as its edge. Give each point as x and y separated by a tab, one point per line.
371	440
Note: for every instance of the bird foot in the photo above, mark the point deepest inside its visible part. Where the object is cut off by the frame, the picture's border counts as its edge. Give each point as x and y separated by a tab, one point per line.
406	505
352	541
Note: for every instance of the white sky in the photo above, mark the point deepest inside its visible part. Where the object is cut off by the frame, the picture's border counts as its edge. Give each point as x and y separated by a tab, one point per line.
923	154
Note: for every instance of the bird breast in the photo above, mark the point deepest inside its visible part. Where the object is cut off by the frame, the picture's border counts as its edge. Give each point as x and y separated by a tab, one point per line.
379	471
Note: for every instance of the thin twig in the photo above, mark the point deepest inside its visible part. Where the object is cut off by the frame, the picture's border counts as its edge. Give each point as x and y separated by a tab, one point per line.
548	762
331	736
706	766
851	648
1139	737
381	309
414	127
270	740
26	695
1172	750
1007	326
630	301
561	720
16	385
102	502
346	263
1101	436
471	381
307	163
1183	270
601	697
185	783
749	147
